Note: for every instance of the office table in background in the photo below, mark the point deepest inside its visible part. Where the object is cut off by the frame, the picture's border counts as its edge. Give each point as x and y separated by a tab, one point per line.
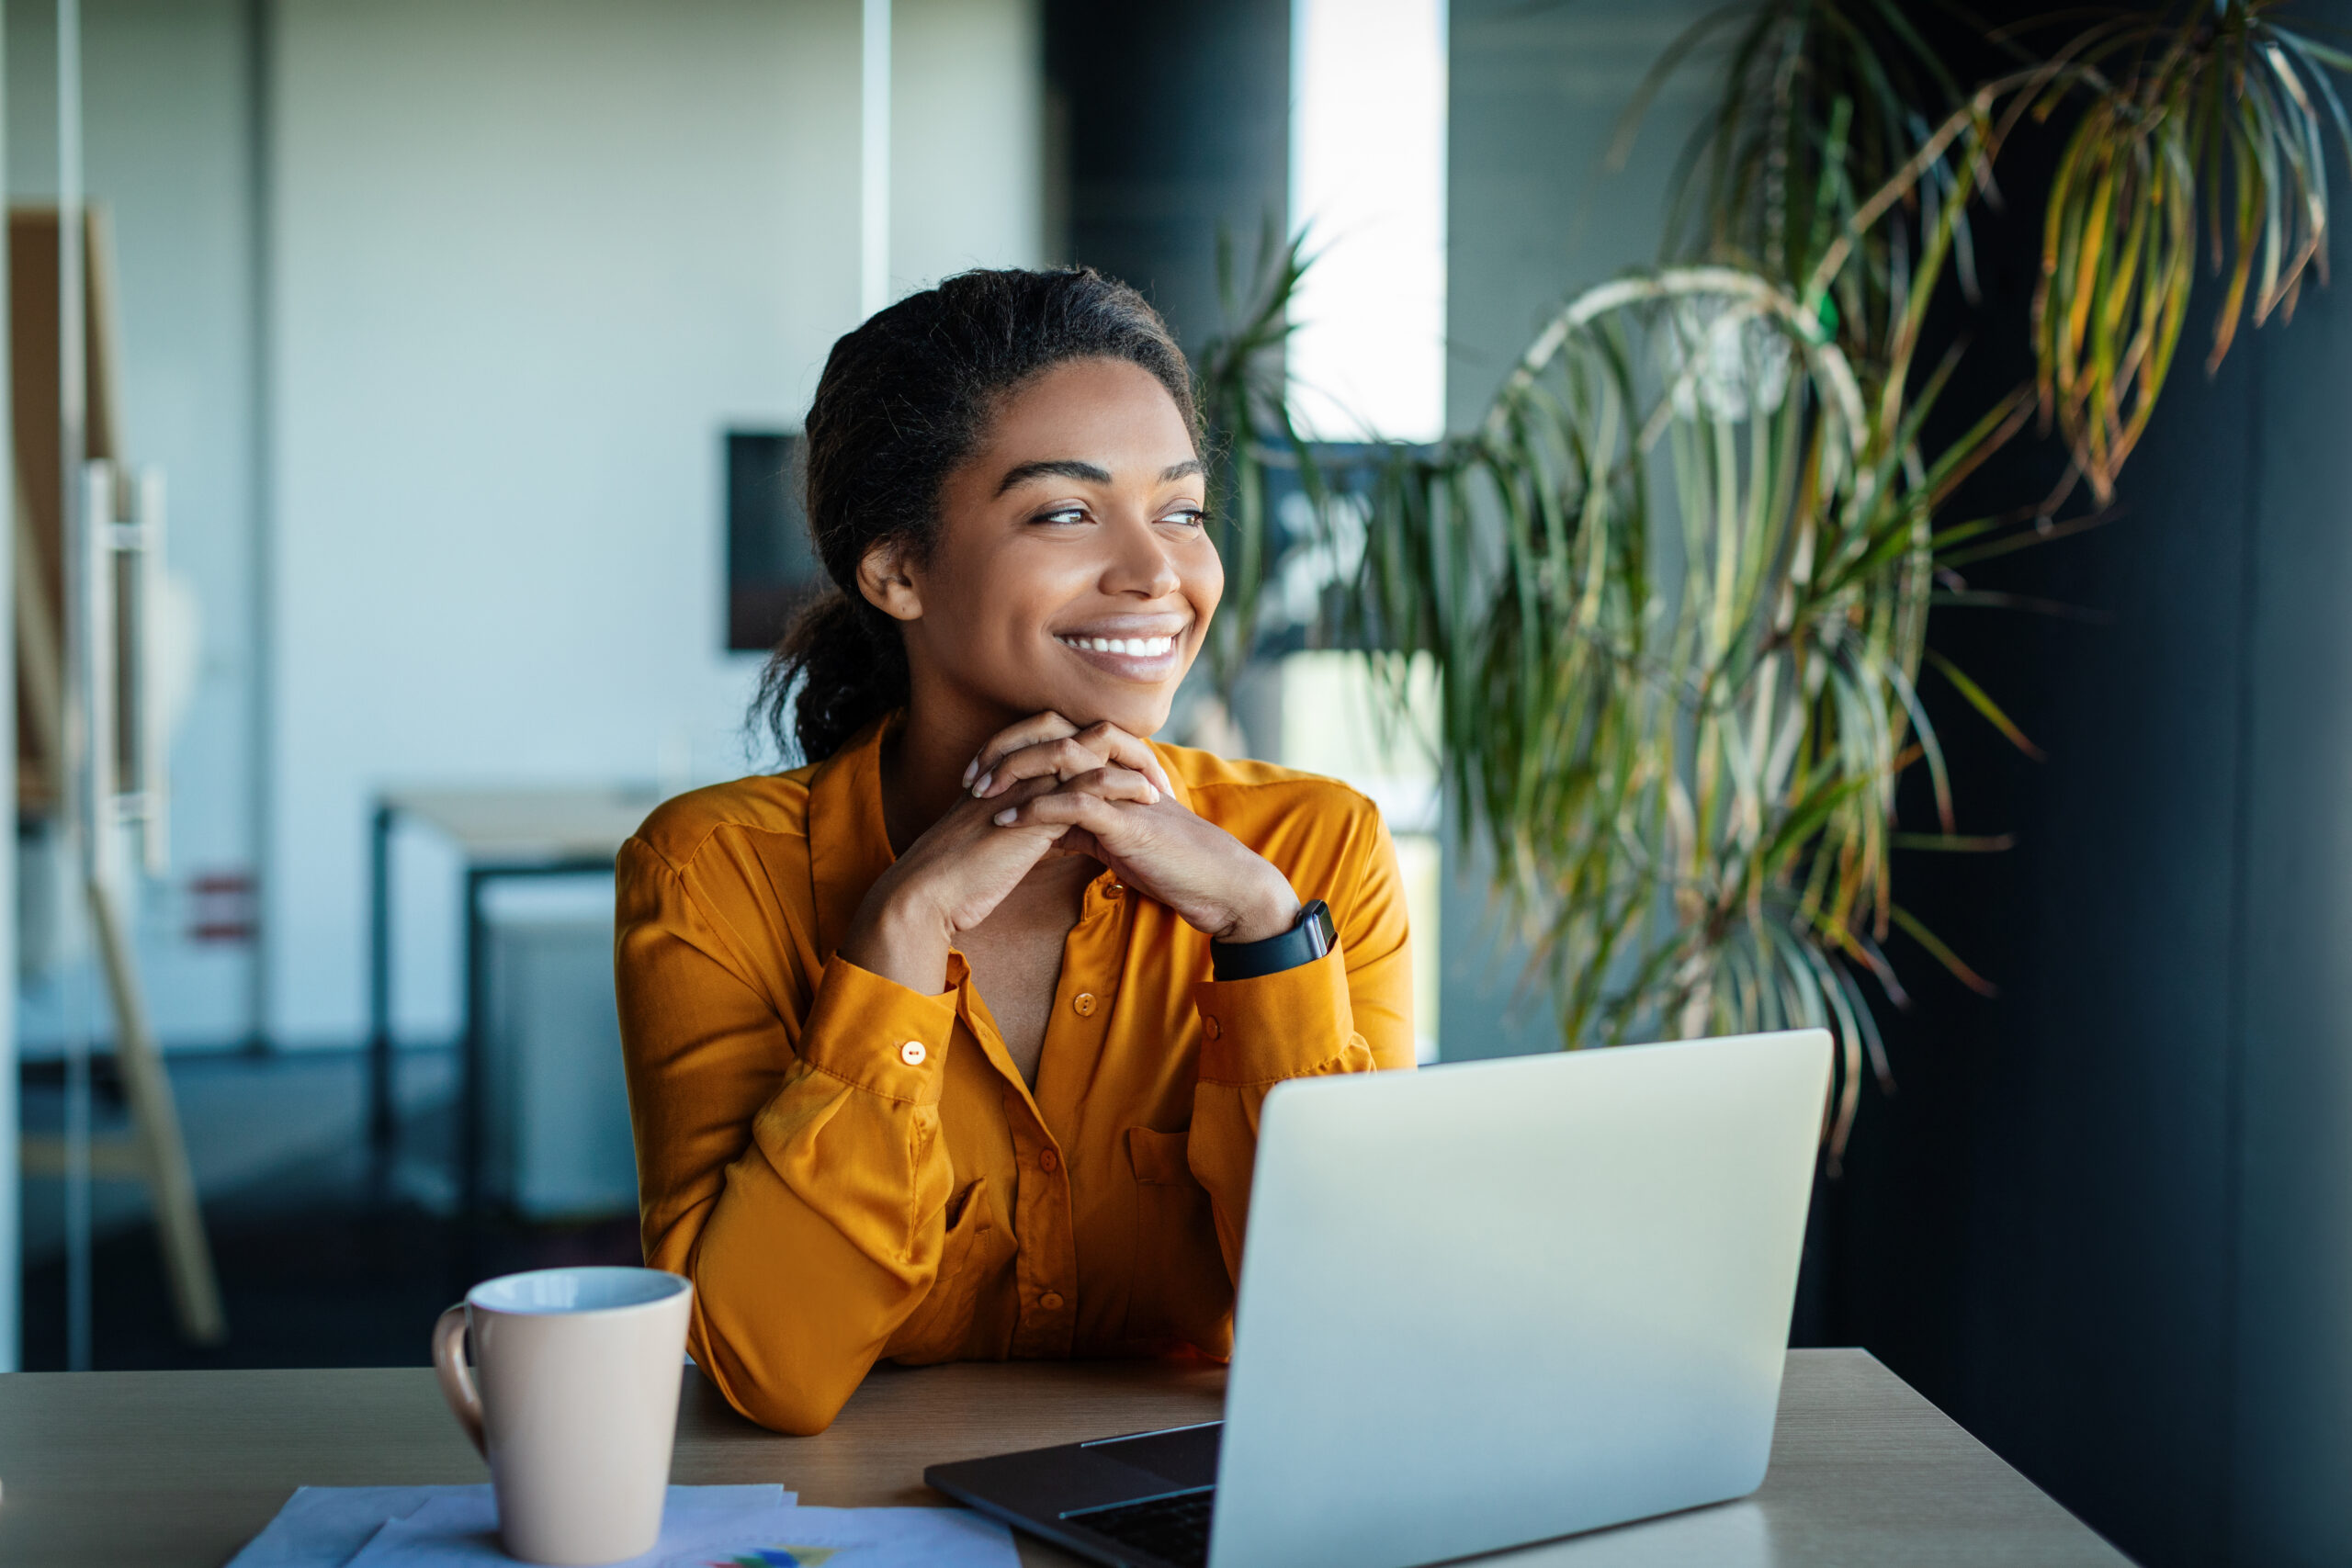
178	1470
500	834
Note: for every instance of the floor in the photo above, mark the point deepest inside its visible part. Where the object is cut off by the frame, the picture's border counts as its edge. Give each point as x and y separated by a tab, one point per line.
317	1268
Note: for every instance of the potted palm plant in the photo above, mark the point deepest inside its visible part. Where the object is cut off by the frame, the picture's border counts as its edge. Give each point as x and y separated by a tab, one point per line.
1680	584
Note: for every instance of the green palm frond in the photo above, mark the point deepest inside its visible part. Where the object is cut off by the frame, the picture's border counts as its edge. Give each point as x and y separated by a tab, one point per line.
2231	112
1244	399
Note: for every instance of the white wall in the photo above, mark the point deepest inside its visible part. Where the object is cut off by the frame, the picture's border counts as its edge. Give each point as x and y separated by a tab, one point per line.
529	259
966	137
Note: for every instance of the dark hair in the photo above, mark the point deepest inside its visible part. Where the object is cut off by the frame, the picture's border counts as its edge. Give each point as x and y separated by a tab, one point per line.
904	401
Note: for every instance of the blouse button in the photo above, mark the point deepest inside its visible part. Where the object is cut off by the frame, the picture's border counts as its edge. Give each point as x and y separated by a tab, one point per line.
1049	1160
1051	1301
912	1053
1083	1004
1114	891
1210	1027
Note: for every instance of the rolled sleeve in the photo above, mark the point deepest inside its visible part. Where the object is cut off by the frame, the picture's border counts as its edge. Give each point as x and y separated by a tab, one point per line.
875	1034
1271	1027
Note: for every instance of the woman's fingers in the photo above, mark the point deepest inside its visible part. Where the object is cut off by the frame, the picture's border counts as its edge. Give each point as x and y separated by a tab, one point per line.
1075	802
1063	760
1065	756
1057	759
1015	792
1116	745
1214	881
1030	731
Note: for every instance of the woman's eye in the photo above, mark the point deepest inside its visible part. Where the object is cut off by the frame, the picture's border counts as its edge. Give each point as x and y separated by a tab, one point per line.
1186	517
1061	515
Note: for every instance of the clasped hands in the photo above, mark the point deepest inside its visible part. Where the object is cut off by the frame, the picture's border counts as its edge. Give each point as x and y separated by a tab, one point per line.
1042	788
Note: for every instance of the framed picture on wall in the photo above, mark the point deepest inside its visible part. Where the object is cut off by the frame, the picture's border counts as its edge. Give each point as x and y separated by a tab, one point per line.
772	566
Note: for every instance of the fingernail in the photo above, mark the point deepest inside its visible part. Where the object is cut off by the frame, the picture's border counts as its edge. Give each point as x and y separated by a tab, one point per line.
969	768
982	786
1004	818
1154	793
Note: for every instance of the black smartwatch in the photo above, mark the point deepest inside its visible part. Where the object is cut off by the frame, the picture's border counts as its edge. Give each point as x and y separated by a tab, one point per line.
1309	940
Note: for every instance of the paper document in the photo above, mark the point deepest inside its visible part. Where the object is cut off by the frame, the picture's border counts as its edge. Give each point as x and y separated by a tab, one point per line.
872	1537
461	1532
324	1527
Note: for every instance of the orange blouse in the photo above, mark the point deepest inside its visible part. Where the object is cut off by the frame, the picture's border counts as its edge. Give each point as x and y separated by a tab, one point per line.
848	1170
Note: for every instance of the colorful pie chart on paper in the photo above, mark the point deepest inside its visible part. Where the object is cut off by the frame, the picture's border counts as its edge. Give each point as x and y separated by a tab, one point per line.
778	1557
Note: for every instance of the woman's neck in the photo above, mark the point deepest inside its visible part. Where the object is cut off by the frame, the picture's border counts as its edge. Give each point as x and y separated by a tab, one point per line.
924	762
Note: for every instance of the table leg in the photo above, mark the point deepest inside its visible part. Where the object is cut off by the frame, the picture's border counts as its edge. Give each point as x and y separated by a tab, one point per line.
383	1125
473	1108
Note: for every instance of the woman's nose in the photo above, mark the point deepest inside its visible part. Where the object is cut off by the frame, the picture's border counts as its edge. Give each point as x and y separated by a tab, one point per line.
1140	564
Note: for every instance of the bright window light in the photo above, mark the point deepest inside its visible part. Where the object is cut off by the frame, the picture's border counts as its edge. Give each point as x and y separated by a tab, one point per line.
1367	183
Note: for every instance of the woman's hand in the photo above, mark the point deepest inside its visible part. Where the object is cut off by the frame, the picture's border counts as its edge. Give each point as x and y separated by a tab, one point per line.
954	876
950	880
965	865
1047	745
1214	881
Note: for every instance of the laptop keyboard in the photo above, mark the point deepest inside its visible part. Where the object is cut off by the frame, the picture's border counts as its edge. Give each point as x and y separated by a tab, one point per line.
1174	1528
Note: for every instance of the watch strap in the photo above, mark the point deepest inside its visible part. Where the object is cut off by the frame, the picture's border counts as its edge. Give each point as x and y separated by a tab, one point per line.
1312	936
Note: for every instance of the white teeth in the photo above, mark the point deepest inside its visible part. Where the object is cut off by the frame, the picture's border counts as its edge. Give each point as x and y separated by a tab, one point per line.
1134	647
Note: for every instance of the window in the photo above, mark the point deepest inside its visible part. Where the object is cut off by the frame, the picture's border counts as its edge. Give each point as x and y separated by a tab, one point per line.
1367	180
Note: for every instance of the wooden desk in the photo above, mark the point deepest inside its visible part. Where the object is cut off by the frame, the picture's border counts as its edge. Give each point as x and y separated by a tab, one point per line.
101	1469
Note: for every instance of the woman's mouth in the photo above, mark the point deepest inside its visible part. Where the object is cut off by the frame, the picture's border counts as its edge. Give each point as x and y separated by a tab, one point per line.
1133	647
1146	658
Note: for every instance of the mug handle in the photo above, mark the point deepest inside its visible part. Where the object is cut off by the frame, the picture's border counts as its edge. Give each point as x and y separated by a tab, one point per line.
456	1382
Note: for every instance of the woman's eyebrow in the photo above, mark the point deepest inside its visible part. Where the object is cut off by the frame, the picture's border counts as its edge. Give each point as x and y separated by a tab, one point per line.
1071	469
1056	468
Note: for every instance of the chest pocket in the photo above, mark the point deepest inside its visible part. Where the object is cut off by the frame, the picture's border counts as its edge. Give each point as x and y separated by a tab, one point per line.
1179	1295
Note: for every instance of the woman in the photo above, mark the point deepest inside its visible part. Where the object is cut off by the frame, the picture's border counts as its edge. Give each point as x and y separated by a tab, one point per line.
952	1044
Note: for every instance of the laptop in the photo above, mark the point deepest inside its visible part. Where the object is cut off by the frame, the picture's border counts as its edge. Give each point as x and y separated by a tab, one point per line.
1481	1306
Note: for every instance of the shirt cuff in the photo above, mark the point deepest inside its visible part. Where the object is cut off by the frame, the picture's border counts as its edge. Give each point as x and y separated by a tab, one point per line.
878	1035
1283	1025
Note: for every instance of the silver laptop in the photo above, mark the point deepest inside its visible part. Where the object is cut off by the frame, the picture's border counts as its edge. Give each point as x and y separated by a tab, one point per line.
1480	1305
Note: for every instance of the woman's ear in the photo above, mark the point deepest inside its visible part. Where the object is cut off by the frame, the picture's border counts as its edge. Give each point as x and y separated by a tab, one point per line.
882	578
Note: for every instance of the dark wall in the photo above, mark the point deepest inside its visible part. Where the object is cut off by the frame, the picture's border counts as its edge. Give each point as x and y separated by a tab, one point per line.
2107	1219
1171	121
2036	1229
2291	1062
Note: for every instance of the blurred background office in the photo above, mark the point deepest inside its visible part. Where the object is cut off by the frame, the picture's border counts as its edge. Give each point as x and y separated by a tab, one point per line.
448	356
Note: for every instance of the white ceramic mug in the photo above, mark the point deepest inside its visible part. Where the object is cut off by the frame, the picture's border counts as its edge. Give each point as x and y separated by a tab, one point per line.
576	1406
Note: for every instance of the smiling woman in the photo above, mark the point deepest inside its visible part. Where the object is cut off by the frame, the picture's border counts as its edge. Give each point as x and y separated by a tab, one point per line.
951	1044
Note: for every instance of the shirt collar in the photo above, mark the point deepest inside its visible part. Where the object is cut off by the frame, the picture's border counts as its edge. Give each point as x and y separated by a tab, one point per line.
849	845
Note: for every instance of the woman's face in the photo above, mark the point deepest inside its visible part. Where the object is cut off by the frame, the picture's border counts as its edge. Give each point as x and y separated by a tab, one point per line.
1072	571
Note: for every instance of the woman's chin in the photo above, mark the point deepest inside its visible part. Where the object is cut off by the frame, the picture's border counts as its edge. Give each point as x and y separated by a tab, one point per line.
1142	714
